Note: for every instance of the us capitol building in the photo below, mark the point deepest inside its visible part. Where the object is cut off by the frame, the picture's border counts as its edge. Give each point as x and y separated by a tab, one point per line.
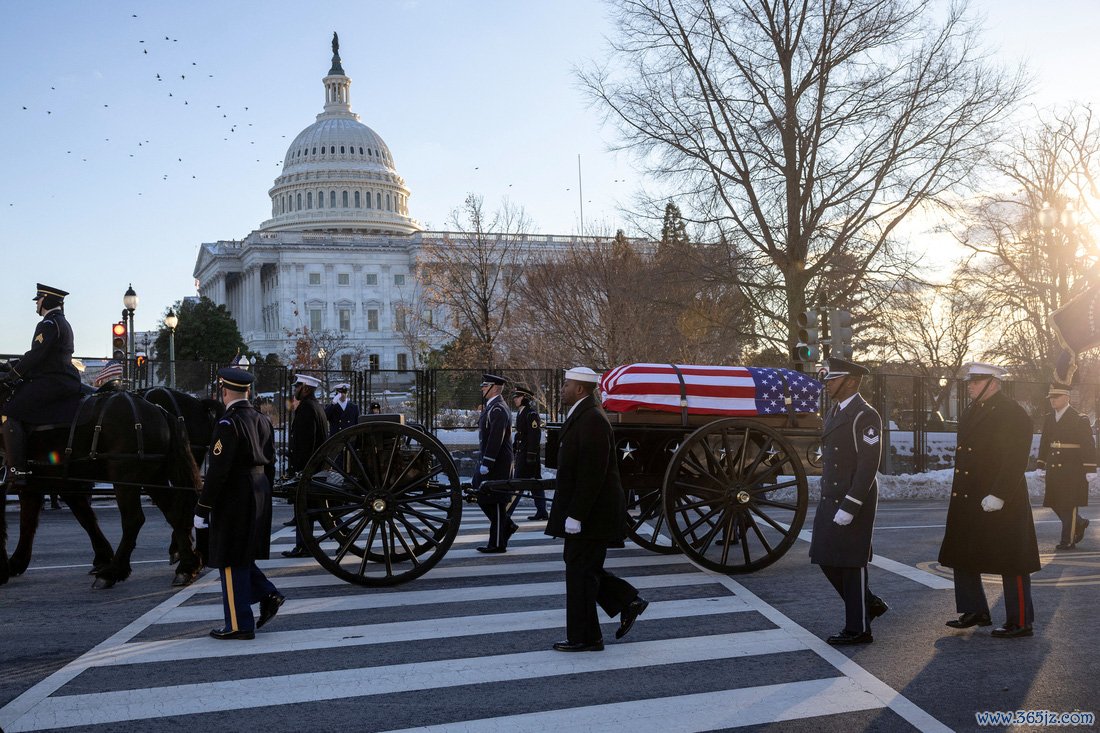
339	252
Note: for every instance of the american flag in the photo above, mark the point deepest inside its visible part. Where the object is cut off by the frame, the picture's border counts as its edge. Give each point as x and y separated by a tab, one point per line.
111	370
711	390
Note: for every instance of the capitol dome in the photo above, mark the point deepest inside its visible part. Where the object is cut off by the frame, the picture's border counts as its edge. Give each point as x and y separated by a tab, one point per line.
338	175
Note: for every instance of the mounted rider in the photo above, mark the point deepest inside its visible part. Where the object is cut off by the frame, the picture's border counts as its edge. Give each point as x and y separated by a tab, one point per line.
45	380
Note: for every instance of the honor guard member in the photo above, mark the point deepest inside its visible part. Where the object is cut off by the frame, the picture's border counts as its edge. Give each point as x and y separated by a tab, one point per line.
851	446
46	382
308	429
589	512
494	427
342	413
989	524
1067	453
375	408
236	506
526	443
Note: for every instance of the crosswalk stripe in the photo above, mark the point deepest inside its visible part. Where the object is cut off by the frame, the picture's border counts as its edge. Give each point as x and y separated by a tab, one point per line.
195	698
453	554
334	637
442	572
685	713
213	611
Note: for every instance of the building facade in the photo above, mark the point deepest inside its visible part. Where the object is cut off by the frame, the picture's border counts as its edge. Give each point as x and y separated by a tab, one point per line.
339	252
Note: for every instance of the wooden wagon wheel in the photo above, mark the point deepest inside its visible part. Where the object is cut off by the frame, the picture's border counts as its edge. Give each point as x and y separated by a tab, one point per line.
647	526
735	496
379	503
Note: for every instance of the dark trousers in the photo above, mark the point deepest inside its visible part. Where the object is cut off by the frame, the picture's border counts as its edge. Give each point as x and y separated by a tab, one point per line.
539	497
1072	521
588	584
499	513
970	596
851	586
241	587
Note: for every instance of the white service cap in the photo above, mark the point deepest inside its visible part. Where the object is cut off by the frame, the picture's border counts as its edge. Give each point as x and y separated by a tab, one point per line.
980	370
308	380
582	374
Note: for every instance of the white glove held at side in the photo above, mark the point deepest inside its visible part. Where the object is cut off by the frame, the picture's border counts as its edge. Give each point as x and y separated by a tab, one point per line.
992	503
843	518
200	523
572	526
483	470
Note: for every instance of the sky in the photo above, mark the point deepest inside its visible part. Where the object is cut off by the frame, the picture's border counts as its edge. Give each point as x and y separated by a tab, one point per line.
112	176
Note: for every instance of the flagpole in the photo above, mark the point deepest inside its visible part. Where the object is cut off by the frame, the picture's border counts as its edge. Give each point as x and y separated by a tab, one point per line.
580	192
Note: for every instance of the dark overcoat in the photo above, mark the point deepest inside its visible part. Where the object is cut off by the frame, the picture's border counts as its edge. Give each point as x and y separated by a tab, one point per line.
494	429
588	487
308	430
993	447
851	448
236	493
525	445
50	383
340	418
1067	451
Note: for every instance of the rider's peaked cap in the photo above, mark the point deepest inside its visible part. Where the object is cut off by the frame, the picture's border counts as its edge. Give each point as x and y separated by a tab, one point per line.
236	379
47	291
492	379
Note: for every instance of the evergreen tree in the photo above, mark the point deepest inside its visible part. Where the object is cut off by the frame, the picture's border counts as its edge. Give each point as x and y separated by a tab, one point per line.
206	335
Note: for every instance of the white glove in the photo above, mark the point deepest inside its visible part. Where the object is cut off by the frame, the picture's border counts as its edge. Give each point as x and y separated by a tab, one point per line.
1041	473
992	503
483	470
200	523
843	518
572	526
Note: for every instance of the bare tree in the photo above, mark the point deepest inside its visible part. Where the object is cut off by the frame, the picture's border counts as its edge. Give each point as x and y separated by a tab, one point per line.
1033	244
802	131
319	351
414	320
470	278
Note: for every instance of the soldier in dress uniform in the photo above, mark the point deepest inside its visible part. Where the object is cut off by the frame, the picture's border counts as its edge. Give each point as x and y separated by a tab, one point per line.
308	430
46	378
1067	453
342	413
236	506
494	427
851	445
525	447
989	524
375	408
589	512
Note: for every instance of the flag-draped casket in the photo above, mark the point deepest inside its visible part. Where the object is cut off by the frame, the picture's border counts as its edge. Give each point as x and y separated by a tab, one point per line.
709	390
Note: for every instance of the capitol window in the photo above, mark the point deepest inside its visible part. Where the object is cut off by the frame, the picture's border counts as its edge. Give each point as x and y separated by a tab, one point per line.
332	199
360	149
378	201
315	320
309	199
402	362
345	199
399	280
341	150
358	203
368	200
332	149
372	319
345	319
372	278
320	199
299	202
315	151
314	278
374	362
343	278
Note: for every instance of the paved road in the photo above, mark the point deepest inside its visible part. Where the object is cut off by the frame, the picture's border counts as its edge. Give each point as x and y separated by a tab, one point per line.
467	647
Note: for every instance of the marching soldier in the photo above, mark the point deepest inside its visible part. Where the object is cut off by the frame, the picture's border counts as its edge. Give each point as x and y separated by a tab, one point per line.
308	430
851	445
49	381
494	427
1067	452
236	506
989	524
589	512
526	445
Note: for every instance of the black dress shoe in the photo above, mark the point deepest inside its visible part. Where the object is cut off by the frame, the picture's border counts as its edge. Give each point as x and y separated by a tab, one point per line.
1080	533
1066	546
491	550
538	518
1012	631
629	615
229	634
578	646
844	638
269	606
296	551
877	607
512	529
970	619
290	522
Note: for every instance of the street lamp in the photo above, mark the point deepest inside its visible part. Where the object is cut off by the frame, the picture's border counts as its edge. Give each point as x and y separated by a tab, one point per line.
129	305
171	320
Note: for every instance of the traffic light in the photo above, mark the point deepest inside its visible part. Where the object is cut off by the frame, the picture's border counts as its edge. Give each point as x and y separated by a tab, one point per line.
118	341
840	329
808	348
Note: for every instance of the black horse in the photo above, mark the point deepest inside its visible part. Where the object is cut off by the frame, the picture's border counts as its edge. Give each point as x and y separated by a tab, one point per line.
117	438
